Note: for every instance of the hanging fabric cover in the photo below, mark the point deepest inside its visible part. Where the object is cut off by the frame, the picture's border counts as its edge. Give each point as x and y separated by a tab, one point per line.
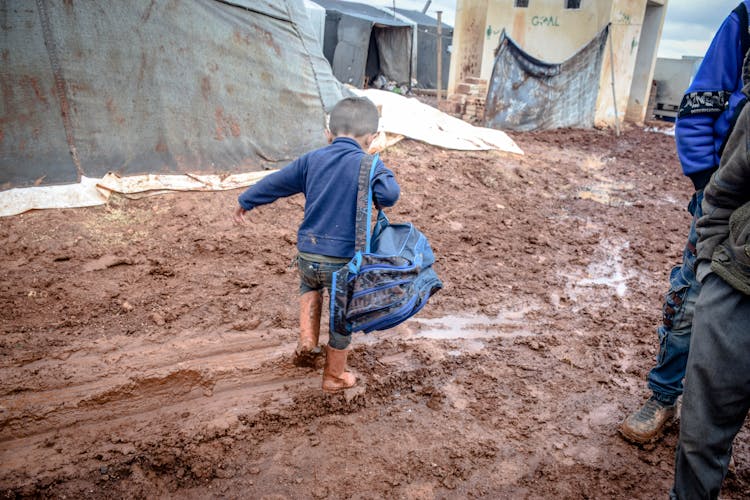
528	94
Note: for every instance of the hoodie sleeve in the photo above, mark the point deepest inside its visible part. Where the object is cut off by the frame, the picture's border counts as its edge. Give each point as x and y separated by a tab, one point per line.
286	182
717	78
385	189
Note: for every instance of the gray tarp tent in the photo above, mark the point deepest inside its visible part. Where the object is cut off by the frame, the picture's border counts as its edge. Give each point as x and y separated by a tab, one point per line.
528	94
426	73
157	86
362	42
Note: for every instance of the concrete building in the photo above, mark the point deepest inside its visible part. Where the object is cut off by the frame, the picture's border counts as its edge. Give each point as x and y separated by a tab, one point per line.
553	31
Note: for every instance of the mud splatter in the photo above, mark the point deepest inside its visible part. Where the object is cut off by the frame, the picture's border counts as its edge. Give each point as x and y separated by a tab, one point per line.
206	87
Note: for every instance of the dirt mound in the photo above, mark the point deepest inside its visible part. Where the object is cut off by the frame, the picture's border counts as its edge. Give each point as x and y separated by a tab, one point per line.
146	346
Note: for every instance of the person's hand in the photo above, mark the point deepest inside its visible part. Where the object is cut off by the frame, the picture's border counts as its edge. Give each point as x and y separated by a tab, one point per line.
238	216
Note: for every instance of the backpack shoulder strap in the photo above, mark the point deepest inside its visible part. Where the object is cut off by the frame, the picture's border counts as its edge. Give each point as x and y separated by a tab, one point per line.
362	232
741	11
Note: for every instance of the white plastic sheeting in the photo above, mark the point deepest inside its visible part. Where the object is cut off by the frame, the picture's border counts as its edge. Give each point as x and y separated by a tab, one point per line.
408	117
83	194
92	192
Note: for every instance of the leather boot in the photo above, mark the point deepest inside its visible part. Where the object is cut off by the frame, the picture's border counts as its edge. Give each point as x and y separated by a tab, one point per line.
335	376
307	350
649	422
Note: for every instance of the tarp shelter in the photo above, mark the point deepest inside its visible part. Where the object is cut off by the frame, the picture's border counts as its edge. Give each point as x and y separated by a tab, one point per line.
427	47
362	42
528	94
157	86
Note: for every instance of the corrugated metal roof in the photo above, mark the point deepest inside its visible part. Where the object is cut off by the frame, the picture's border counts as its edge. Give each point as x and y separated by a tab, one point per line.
362	11
422	19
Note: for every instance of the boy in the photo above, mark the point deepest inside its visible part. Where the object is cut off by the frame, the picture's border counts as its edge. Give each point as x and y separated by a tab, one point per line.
328	178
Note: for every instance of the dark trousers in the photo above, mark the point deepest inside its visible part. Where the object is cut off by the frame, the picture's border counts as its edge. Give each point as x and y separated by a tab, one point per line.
717	389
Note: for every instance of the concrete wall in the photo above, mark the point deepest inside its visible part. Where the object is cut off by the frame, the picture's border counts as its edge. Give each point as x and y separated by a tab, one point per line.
634	40
645	63
468	41
552	33
544	29
627	20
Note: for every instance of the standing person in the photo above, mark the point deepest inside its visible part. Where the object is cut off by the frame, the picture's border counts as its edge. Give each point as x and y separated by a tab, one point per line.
706	115
328	177
717	386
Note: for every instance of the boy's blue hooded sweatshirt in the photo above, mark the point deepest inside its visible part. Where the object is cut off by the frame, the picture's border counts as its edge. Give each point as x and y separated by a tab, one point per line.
328	178
709	105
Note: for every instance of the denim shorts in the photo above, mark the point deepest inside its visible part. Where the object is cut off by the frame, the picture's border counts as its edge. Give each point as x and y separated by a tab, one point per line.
316	275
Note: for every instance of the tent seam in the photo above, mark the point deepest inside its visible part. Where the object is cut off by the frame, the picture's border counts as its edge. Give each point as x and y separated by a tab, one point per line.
309	61
61	87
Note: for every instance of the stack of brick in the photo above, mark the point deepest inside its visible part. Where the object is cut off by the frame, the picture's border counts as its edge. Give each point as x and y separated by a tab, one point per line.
468	101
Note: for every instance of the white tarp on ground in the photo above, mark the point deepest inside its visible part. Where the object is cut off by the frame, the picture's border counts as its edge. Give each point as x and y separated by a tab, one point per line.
18	200
409	117
401	117
92	192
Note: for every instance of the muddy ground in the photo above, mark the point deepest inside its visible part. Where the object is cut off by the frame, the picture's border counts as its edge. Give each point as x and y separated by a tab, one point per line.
146	345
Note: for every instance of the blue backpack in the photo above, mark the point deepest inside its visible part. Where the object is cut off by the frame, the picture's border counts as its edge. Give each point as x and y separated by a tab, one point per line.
390	277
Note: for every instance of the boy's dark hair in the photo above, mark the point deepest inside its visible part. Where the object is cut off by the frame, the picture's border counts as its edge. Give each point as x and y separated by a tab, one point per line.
354	116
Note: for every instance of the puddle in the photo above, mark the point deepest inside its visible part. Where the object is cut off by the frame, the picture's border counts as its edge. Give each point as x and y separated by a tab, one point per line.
672	200
661	130
473	328
605	193
467	346
610	271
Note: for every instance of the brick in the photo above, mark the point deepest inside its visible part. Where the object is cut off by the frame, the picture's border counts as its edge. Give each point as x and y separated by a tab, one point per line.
449	107
459	98
476	81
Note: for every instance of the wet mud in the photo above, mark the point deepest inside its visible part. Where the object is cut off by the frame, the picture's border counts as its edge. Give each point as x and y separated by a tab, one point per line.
146	347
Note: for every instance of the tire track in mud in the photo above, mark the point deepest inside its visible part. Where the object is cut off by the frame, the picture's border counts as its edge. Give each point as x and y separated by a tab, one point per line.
168	409
132	389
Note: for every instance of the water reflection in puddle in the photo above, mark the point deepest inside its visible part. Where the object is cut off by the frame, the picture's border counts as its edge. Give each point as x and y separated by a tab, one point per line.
472	328
610	271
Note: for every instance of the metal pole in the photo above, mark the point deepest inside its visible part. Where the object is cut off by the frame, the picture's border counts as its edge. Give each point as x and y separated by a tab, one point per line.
439	53
426	6
612	67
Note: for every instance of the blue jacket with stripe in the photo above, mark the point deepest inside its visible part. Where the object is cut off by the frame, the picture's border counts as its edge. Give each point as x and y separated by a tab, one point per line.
708	108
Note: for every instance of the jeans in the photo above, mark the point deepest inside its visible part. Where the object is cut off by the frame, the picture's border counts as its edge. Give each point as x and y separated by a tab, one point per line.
315	276
717	390
665	379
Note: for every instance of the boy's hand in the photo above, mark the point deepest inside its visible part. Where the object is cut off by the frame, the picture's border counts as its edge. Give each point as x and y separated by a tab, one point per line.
238	216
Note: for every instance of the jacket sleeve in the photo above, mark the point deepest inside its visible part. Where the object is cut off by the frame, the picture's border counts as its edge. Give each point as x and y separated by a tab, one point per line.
385	189
286	182
706	98
728	189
